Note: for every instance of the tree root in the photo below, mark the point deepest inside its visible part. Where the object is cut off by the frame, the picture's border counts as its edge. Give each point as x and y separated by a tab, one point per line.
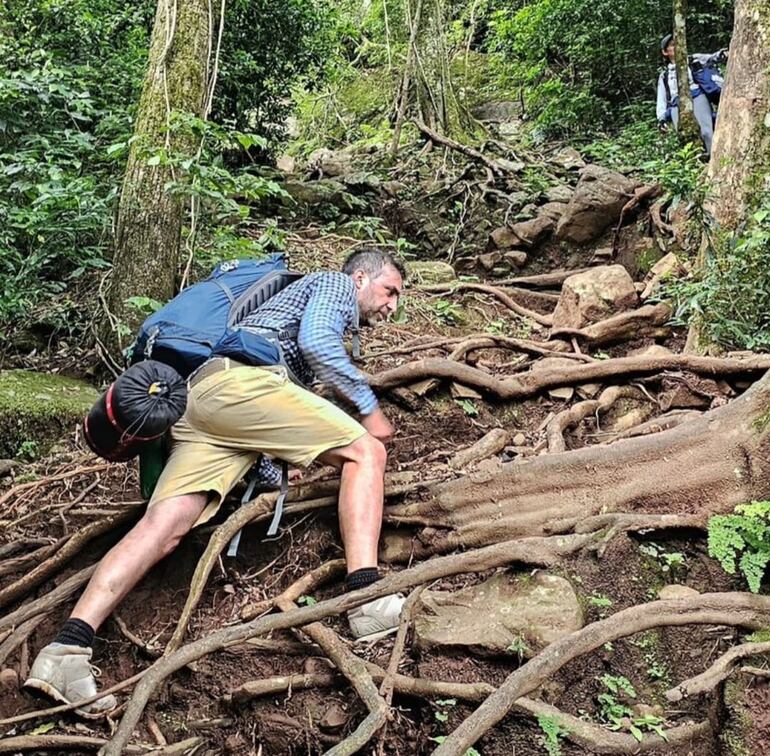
33	484
356	672
260	507
21	563
663	422
83	744
644	322
578	412
595	738
720	670
307	584
48	601
494	291
546	549
487	446
18	636
554	279
72	547
530	384
734	609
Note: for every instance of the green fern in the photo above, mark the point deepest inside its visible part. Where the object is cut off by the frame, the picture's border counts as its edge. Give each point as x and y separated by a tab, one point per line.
741	541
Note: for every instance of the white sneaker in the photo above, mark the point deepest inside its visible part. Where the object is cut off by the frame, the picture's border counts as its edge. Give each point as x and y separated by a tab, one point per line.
65	673
376	619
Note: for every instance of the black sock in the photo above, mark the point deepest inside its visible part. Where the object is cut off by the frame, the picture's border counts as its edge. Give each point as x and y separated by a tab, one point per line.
75	632
361	578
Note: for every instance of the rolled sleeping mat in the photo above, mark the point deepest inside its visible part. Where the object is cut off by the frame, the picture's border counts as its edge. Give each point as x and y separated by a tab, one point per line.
140	406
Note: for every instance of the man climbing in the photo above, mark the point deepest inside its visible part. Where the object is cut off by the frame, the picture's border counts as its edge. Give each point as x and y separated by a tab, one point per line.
234	413
705	86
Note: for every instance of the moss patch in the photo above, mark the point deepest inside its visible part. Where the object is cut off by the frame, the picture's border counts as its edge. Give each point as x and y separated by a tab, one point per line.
38	409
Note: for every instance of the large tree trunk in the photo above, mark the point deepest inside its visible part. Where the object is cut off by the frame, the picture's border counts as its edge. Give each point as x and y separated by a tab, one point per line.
703	467
740	160
149	219
688	128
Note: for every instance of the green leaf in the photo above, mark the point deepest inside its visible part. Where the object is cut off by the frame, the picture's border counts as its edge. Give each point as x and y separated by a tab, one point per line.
154	160
43	728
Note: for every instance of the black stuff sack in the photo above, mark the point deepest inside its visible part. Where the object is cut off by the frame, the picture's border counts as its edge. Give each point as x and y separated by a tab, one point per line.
139	407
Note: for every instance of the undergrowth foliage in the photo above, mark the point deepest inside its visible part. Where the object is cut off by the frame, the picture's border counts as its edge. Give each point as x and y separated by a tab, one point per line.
741	541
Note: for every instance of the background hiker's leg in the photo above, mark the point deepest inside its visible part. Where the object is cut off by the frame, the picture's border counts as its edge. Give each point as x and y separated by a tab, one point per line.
157	534
704	115
360	499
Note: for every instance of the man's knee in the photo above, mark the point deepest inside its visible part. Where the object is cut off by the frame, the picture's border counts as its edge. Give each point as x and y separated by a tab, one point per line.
168	521
367	450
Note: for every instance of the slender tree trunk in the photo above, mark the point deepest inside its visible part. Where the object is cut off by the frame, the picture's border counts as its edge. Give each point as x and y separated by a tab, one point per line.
688	128
149	219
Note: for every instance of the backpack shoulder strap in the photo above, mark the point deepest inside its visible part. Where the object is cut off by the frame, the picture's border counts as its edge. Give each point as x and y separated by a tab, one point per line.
667	86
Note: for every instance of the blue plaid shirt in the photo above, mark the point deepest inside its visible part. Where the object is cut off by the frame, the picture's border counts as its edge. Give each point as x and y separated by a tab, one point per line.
318	308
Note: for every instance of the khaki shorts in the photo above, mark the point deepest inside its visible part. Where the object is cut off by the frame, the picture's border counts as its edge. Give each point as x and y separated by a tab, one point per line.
234	415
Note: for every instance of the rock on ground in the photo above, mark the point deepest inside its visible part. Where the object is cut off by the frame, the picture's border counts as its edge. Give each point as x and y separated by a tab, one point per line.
39	409
596	204
431	271
594	295
505	614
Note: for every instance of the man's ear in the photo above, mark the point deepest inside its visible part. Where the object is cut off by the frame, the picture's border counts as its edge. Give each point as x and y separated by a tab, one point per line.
359	278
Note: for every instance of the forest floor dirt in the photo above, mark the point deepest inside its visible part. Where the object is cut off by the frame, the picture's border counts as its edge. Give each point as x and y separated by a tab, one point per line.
430	430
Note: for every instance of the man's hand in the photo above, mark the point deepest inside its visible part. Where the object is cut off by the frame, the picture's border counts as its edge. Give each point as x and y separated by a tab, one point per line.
378	425
662	127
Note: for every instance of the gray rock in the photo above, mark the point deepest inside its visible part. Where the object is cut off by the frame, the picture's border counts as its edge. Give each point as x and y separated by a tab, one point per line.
560	193
532	232
569	159
516	257
498	111
503	238
594	295
505	614
431	271
676	591
330	163
489	259
552	210
313	194
596	204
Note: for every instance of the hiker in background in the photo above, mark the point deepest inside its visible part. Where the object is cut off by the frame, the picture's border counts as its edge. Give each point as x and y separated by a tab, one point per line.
705	88
234	413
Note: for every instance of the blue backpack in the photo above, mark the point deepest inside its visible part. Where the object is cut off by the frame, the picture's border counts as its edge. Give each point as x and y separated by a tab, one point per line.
709	80
202	320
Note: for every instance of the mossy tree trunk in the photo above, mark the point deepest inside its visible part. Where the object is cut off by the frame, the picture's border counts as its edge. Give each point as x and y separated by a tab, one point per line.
149	219
739	171
688	128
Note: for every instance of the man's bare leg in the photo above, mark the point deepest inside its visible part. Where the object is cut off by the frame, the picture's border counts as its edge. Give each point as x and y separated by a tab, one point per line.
155	536
360	498
62	669
360	517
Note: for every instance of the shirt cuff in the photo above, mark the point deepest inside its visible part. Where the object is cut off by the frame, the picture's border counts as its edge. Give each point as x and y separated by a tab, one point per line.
367	403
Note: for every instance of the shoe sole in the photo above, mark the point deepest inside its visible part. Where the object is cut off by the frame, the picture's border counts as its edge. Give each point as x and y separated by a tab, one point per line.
41	686
376	636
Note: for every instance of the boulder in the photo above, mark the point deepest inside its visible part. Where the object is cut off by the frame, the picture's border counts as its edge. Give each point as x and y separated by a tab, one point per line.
596	204
676	591
330	163
39	409
560	193
594	295
431	271
286	164
497	111
503	238
569	159
515	257
552	210
505	614
489	259
666	267
312	196
531	232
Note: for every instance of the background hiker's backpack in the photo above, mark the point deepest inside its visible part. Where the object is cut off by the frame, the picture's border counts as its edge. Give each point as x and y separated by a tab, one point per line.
203	319
709	80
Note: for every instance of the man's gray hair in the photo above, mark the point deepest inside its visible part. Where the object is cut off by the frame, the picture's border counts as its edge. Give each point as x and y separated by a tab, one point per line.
372	260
